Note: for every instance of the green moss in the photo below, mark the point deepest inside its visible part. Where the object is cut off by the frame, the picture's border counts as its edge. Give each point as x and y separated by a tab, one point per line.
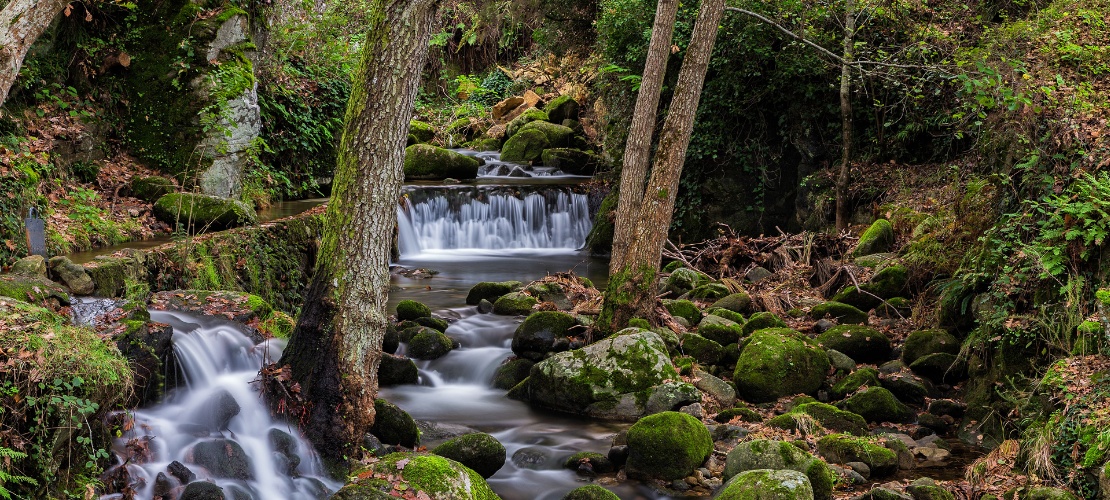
668	445
562	108
525	147
32	289
590	492
764	484
479	451
721	330
427	162
841	312
862	344
392	425
830	417
436	476
150	189
739	302
429	344
877	404
683	309
859	378
709	291
600	239
744	413
779	362
411	310
514	304
518	123
842	448
764	454
490	291
704	350
879	238
201	212
762	320
423	132
732	316
925	342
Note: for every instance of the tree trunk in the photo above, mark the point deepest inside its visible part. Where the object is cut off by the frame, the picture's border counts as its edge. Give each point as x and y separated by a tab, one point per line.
336	347
637	150
21	23
632	289
842	209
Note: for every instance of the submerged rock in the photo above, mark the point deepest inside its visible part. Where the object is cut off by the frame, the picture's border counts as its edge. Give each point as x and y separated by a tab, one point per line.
668	445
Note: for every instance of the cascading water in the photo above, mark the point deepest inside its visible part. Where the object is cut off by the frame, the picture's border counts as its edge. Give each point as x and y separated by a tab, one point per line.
217	426
492	218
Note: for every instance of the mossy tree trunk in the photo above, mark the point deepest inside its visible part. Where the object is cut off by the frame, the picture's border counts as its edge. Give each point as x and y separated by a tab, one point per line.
632	288
637	150
842	209
336	347
21	23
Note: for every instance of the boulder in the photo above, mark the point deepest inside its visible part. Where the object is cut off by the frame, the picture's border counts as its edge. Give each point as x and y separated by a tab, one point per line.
285	445
841	312
589	463
430	344
202	490
200	212
779	362
840	361
35	290
505	107
528	115
716	388
708	291
830	417
511	373
877	404
866	376
216	412
149	189
682	280
683	309
842	448
571	161
490	290
397	370
940	367
925	342
223	458
739	302
410	310
543	332
437	477
767	484
514	304
762	320
1047	493
590	492
780	455
562	108
863	344
393	426
427	162
702	349
720	330
424	132
479	451
33	265
906	386
879	238
668	446
927	489
888	283
75	277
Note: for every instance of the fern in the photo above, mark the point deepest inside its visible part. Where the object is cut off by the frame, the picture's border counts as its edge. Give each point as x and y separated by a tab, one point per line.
7	476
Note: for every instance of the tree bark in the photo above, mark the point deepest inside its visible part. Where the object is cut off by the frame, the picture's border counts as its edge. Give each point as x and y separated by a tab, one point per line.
637	150
632	289
335	349
843	212
21	23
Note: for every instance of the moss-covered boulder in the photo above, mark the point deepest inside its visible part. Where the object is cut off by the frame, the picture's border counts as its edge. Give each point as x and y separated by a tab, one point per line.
842	448
511	373
427	162
526	146
429	343
668	445
490	290
408	310
877	404
940	367
528	116
720	330
762	320
33	289
514	304
779	362
708	291
392	425
839	311
927	489
853	381
149	189
200	212
479	451
702	349
590	492
779	455
423	132
862	344
595	463
857	297
879	238
397	370
612	378
437	477
32	265
683	309
829	416
888	283
562	108
906	386
739	302
682	280
925	342
543	332
571	161
767	484
743	413
1047	493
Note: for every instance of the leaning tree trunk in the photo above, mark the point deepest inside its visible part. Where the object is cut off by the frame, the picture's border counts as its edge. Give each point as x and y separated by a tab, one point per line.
335	349
21	23
631	291
637	150
842	209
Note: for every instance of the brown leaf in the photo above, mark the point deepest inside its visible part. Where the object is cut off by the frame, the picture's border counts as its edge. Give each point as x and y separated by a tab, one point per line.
402	463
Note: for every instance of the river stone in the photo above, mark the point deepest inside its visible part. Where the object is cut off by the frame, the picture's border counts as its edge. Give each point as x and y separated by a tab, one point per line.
905	386
766	484
202	490
702	349
1048	493
34	265
391	341
424	132
485	306
72	275
531	457
223	458
668	445
286	446
408	310
883	494
590	492
940	367
570	161
669	395
514	304
540	333
779	362
438	477
511	373
864	376
842	448
925	342
217	411
525	146
683	309
427	162
879	238
181	472
527	115
863	344
393	426
599	374
717	389
926	489
780	455
490	290
397	370
430	344
841	361
877	404
164	485
434	323
202	212
481	452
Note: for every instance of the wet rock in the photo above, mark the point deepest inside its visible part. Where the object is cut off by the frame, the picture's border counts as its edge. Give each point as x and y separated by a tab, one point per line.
589	463
511	373
391	341
485	306
537	335
72	275
716	388
427	162
217	411
182	473
571	161
286	446
668	445
779	455
590	492
397	370
223	458
481	452
202	490
164	485
34	265
393	426
531	458
372	444
861	343
877	404
779	362
842	449
430	344
514	304
434	323
768	485
490	290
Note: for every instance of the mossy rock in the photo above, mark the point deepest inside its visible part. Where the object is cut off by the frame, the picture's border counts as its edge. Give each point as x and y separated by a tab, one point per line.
739	302
709	291
31	265
879	238
491	291
571	161
702	349
437	477
279	325
744	413
1047	493
894	308
427	162
514	304
423	132
940	367
683	280
149	189
485	144
842	448
668	446
862	344
557	135
925	342
33	289
779	362
683	309
590	492
511	373
433	323
562	108
411	310
397	370
763	454
596	462
906	386
767	484
392	425
732	316
927	489
430	344
888	283
829	416
720	330
518	123
841	312
200	212
877	404
858	298
479	451
543	332
762	320
866	376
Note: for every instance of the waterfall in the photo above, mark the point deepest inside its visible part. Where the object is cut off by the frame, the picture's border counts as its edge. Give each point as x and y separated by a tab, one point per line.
492	218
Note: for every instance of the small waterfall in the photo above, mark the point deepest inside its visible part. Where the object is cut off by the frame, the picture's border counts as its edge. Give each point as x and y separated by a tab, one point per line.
219	410
492	218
